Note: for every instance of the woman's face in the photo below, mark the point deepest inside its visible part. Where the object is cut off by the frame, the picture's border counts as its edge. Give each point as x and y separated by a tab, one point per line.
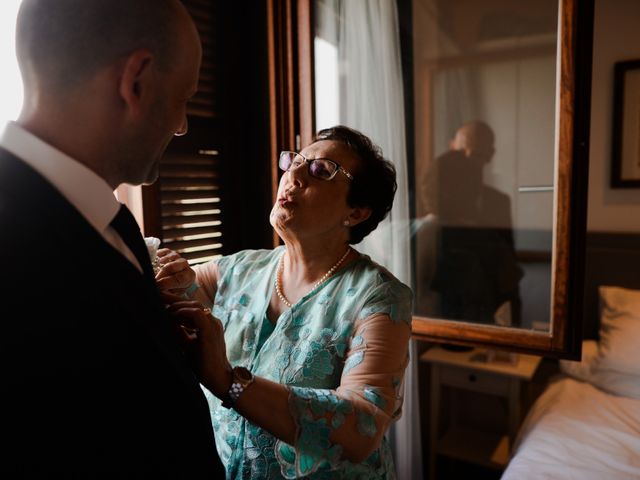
310	207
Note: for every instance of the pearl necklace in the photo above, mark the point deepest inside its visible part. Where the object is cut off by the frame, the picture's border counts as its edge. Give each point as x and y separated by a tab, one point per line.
281	296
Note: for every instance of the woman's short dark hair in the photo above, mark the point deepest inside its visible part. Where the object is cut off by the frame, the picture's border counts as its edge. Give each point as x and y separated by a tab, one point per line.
374	181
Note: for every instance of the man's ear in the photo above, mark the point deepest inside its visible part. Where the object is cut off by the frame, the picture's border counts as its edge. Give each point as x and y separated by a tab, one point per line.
136	80
358	215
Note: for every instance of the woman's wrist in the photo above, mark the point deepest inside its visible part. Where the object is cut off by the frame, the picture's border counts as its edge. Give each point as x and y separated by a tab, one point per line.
219	382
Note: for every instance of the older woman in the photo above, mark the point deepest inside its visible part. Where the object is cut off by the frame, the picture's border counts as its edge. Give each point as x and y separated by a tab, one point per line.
318	333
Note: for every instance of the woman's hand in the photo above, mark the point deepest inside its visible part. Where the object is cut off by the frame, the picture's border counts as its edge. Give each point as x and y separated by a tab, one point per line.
175	275
203	337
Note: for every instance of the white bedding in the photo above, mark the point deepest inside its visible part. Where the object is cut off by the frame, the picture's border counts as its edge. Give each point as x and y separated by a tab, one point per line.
577	432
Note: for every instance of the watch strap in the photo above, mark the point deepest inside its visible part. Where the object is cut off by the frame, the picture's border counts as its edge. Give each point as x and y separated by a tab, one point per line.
241	380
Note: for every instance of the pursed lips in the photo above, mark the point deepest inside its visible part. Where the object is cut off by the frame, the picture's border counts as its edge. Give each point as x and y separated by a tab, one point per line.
287	199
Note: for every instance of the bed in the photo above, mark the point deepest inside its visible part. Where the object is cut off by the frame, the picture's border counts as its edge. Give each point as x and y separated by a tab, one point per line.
586	424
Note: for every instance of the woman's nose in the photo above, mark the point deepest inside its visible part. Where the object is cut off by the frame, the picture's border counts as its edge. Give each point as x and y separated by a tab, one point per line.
184	128
298	175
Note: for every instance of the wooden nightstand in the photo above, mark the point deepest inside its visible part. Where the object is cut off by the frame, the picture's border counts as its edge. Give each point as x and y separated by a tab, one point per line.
468	371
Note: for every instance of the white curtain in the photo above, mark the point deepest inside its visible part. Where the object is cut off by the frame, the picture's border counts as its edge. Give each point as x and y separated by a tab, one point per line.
371	100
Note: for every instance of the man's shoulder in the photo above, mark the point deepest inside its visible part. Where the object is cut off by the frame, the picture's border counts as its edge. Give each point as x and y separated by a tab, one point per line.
492	193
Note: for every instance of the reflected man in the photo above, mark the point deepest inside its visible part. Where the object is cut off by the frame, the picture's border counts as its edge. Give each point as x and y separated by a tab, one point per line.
477	274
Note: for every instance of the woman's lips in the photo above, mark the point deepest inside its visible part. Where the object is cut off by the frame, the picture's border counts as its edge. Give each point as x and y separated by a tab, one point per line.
285	202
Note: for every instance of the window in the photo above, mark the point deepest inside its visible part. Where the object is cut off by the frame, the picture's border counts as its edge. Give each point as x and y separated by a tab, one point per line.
11	92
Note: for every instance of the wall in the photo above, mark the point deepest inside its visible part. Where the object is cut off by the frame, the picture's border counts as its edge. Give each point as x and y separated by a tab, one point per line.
616	38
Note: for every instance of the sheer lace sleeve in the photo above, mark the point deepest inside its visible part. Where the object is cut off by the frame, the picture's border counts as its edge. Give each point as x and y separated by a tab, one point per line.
348	423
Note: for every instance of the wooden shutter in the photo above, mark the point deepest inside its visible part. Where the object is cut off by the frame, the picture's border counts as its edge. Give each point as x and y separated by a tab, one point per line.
205	15
184	207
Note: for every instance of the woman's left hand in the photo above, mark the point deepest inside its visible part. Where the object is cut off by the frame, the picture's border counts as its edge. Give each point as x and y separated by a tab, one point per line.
175	274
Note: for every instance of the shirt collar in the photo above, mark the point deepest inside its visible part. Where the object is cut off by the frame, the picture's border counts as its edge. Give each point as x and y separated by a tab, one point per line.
90	194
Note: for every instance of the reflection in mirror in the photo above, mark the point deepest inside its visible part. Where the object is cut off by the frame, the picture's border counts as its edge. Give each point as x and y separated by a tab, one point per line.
465	107
476	274
485	76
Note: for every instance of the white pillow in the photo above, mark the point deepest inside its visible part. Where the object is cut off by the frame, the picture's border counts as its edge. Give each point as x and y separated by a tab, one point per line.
582	370
617	368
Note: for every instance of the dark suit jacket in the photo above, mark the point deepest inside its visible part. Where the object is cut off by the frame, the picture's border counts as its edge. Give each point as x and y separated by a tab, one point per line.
477	268
92	382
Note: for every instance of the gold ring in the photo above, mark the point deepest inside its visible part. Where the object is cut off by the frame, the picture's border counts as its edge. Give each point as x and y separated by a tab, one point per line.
206	311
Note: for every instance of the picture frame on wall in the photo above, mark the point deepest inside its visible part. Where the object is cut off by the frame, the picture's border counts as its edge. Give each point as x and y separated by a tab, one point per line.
625	165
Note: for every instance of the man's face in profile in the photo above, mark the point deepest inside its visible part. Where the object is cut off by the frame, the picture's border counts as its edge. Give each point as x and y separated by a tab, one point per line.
172	90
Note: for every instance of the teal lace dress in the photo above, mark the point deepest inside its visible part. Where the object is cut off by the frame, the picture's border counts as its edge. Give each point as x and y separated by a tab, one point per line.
341	350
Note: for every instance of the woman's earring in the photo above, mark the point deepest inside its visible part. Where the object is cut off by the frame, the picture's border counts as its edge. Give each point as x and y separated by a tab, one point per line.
346	223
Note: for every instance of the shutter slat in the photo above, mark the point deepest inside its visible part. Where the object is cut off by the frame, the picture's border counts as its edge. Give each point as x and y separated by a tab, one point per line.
172	234
200	112
173	183
187	171
190	210
188	195
173	221
210	159
210	243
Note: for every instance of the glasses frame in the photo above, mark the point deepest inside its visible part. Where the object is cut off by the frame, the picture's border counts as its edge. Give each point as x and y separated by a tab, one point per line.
309	161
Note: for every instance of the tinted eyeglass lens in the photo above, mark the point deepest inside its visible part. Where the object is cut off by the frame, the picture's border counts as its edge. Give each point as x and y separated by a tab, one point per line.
285	161
322	169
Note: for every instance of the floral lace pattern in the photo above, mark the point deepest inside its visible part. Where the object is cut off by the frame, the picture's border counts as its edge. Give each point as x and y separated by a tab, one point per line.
341	351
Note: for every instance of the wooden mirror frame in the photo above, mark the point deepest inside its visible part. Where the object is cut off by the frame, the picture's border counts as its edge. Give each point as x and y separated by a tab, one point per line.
292	122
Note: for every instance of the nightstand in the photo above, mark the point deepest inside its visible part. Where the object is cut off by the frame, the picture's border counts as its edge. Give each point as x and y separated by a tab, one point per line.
470	370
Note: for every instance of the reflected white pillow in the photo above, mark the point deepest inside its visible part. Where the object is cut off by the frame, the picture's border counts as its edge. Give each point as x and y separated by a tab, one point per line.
617	368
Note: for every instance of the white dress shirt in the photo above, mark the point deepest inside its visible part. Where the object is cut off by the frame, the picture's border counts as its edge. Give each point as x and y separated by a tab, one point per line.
82	187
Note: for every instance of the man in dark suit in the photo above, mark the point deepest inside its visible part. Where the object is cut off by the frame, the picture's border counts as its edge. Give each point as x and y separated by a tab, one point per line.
93	382
477	274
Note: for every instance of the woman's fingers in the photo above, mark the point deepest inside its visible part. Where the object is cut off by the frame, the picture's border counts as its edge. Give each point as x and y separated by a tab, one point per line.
167	253
190	317
170	298
170	267
175	275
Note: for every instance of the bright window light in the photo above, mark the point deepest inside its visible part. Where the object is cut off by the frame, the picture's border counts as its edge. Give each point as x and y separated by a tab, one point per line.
11	91
327	88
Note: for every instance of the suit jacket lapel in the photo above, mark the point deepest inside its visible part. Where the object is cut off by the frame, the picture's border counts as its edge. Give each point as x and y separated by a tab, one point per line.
137	293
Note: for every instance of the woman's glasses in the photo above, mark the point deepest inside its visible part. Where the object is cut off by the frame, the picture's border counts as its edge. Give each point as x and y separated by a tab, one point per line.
321	168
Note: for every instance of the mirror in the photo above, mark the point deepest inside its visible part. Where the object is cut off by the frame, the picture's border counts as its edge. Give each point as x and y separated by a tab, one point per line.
483	105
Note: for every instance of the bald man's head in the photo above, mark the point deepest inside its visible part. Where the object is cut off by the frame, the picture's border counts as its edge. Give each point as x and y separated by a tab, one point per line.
61	43
476	139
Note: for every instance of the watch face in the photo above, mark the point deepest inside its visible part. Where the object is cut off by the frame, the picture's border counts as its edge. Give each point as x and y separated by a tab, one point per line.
242	374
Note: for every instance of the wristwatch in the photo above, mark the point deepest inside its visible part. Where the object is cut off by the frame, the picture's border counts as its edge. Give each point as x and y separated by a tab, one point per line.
241	380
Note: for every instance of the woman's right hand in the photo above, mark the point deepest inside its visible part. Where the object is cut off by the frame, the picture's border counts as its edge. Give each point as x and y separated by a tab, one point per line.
175	275
202	336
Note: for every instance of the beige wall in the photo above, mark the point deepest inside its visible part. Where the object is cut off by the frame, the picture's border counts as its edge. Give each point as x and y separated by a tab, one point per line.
616	38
